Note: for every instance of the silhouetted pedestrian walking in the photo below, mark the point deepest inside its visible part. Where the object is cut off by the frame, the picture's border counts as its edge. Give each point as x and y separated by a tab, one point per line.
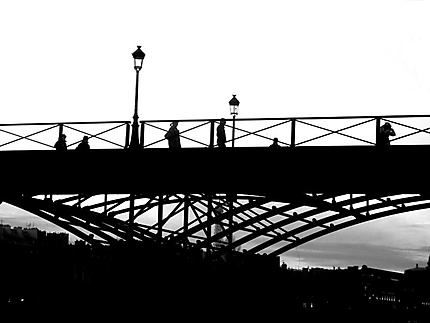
83	145
220	133
275	143
172	136
61	143
385	132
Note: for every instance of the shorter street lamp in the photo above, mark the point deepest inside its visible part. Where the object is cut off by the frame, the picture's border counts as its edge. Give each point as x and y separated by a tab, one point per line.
138	56
234	110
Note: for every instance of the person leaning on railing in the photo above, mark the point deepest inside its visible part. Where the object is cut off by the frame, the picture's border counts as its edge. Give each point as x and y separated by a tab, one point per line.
384	134
172	136
83	145
61	143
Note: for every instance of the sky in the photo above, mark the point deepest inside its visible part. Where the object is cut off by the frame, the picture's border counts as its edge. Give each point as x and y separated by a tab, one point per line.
71	61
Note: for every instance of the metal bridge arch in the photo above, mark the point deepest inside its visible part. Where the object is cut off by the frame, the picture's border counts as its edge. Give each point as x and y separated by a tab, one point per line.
268	224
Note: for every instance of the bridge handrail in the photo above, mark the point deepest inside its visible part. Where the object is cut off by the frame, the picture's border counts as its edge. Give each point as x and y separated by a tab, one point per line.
393	116
5	128
292	136
293	131
58	123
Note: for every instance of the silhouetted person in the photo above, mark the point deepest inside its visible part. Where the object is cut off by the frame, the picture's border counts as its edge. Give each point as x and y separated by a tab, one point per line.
172	136
385	132
220	133
61	143
275	143
284	265
83	145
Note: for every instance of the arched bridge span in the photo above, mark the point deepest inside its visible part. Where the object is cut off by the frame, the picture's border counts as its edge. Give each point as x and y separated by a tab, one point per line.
216	221
259	199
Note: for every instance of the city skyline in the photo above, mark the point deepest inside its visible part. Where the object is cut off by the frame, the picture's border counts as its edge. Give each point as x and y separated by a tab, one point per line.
72	62
341	249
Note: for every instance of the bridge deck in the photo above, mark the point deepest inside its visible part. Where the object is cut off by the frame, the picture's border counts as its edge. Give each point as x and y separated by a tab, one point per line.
347	169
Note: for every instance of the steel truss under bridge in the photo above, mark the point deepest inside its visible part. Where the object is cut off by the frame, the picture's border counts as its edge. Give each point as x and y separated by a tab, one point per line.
216	222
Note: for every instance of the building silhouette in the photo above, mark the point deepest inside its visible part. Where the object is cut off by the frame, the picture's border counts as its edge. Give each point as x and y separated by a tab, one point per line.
43	269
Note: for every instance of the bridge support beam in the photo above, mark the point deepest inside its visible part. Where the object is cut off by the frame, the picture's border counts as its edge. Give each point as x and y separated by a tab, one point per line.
230	224
209	221
131	219
337	170
160	219
186	219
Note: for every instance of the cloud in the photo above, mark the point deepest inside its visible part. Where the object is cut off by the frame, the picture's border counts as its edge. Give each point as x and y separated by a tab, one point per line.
392	243
344	254
424	249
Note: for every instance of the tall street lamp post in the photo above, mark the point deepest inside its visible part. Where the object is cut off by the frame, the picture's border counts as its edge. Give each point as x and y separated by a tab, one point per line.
138	56
234	110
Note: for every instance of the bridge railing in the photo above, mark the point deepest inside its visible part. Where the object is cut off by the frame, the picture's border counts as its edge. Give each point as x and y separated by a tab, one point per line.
255	132
291	132
42	136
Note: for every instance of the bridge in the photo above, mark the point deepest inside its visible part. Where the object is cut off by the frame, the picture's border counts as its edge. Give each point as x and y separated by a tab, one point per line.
328	175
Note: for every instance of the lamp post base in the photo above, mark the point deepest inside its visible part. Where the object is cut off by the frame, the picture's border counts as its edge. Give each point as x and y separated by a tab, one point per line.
134	142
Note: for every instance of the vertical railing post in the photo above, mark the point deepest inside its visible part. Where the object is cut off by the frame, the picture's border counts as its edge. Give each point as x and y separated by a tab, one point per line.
212	134
127	135
60	130
293	132
142	133
378	126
